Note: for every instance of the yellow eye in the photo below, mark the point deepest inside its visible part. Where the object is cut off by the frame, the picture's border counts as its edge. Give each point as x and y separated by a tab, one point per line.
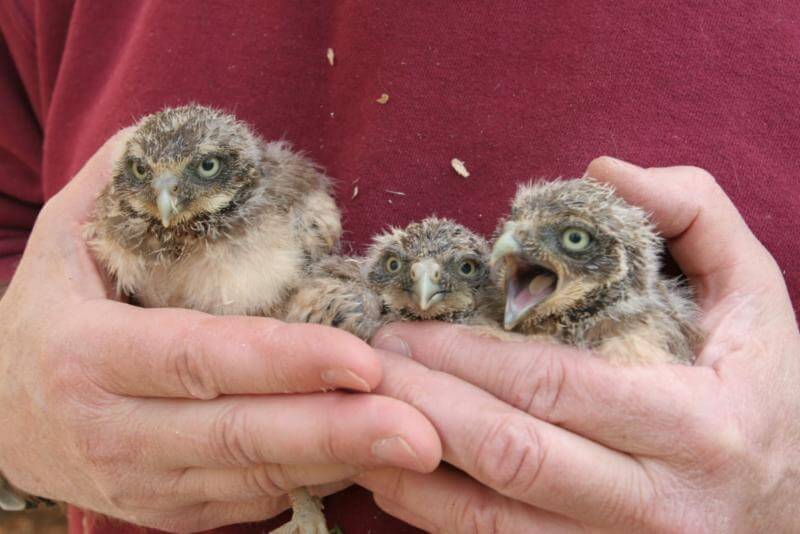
575	239
209	167
468	268
393	264
138	169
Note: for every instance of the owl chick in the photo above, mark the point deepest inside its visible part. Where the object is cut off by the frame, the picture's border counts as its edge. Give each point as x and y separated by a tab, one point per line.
579	264
201	213
434	269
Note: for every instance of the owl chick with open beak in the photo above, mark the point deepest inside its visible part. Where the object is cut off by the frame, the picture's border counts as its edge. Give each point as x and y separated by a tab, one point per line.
579	265
201	213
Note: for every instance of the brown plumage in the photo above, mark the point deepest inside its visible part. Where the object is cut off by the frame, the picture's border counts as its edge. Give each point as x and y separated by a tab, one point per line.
433	269
580	265
201	213
336	295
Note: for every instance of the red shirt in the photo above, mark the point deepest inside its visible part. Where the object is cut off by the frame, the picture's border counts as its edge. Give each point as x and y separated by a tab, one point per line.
517	90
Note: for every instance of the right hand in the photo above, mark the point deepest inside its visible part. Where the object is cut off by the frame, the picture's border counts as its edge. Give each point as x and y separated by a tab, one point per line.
175	419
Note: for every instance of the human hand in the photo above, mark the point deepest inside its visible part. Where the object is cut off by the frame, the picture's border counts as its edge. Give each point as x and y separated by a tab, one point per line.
171	418
551	439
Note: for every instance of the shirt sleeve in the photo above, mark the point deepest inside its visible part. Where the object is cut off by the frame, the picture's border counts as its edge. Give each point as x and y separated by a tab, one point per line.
20	163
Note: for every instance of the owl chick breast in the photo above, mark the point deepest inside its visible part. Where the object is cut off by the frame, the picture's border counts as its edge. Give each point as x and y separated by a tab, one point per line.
433	269
577	262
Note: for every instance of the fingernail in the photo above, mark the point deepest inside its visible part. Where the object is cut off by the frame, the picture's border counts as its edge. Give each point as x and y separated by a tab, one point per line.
345	378
397	452
392	343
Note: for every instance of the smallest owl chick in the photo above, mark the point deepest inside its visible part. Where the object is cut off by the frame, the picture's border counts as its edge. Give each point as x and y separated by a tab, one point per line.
434	269
581	266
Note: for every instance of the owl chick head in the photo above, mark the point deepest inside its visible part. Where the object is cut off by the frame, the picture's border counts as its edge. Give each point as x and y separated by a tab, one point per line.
430	269
187	163
570	249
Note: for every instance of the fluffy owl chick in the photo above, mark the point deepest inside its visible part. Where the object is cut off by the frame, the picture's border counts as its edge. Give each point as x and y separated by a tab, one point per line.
579	264
434	269
201	213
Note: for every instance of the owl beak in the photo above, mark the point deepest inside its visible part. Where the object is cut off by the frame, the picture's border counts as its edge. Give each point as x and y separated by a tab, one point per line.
506	245
427	291
527	284
165	185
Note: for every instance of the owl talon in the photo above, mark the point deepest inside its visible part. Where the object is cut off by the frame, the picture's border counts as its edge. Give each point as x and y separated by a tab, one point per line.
307	515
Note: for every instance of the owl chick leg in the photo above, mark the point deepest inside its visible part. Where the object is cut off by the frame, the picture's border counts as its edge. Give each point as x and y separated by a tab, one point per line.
307	516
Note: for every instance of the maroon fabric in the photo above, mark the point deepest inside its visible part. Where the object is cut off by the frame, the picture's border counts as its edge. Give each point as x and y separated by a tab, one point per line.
517	90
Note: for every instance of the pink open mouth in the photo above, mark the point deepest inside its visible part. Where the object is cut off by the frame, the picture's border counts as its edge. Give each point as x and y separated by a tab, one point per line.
527	285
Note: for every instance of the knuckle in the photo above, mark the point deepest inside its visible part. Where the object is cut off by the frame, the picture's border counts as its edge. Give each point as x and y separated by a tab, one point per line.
106	452
478	515
703	179
278	371
510	456
189	362
537	390
267	480
228	441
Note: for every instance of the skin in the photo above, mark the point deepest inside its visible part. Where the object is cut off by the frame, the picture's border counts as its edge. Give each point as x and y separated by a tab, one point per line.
551	439
155	416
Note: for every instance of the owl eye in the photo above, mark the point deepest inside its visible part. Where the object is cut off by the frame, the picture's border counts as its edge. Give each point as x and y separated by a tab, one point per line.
393	264
468	268
209	167
575	239
138	169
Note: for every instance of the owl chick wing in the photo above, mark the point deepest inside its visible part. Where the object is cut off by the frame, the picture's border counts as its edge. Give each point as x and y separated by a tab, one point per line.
334	294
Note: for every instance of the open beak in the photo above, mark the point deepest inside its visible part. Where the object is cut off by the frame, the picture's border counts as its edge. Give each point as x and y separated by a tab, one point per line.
527	284
426	275
165	185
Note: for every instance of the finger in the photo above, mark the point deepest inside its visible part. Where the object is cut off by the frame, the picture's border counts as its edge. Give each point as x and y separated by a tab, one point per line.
404	514
189	354
196	484
707	235
637	409
517	455
448	501
76	201
323	428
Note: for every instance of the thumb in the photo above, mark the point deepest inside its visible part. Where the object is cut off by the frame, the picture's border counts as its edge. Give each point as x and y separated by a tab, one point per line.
77	199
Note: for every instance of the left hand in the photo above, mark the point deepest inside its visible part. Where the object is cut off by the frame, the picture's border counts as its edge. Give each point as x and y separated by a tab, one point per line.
549	438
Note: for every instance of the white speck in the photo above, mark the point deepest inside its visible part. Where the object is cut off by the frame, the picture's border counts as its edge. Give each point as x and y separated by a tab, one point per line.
330	55
459	167
383	99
